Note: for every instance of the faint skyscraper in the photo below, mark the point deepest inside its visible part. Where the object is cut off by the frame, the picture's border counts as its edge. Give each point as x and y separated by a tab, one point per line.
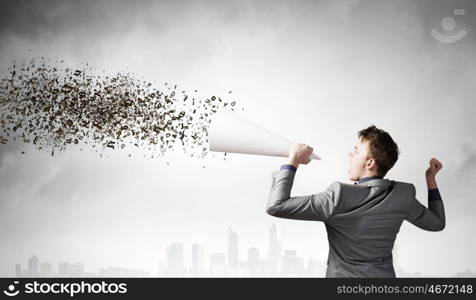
232	248
274	251
18	272
253	256
198	260
175	265
76	270
314	268
291	264
467	273
63	269
46	269
33	266
161	269
254	263
217	264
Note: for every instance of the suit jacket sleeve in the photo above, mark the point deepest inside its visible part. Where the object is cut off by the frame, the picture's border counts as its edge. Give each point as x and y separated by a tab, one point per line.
315	207
431	218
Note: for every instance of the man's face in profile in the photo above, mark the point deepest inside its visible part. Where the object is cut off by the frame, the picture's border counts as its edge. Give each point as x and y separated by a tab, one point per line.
357	159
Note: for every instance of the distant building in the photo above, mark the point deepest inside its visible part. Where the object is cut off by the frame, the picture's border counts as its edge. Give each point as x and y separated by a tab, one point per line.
232	249
274	251
76	270
175	265
291	264
46	269
63	269
466	273
198	260
33	266
314	268
161	269
217	264
122	272
18	270
254	263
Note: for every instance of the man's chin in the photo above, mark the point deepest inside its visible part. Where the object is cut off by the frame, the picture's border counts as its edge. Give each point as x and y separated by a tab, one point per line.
351	177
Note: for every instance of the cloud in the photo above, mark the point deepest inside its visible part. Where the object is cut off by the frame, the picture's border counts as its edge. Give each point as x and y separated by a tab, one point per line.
33	20
6	149
468	164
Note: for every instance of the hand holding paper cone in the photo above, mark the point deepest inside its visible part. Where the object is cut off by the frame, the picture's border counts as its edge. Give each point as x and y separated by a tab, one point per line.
232	133
300	154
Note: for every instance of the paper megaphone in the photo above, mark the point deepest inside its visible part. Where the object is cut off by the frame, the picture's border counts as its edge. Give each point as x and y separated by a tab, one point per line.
232	133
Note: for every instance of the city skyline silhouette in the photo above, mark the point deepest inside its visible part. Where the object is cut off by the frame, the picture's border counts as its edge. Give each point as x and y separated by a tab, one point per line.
277	263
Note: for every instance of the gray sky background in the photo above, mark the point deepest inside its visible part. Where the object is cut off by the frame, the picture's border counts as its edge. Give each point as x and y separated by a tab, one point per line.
312	71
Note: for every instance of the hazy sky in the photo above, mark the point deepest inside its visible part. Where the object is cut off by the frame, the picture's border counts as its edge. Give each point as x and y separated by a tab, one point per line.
312	71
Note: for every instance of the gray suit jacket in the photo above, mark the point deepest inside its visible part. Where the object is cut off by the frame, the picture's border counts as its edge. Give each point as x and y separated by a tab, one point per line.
362	220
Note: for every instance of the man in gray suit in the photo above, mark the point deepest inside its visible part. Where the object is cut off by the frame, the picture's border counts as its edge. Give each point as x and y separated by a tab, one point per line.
362	219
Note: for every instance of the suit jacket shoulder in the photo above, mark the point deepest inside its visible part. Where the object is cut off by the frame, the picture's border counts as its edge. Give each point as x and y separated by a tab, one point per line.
353	196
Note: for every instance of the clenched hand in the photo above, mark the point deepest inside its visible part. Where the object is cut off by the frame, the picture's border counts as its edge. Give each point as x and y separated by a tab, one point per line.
430	173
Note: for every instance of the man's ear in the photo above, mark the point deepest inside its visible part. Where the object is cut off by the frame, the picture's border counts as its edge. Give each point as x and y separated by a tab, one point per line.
371	164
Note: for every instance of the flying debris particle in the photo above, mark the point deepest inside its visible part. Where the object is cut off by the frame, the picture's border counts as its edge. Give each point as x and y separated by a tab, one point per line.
66	89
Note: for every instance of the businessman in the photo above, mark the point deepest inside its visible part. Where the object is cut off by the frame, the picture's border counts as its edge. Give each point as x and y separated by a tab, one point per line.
362	219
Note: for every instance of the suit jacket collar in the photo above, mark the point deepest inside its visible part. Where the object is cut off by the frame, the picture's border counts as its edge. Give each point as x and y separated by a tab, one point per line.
376	182
364	179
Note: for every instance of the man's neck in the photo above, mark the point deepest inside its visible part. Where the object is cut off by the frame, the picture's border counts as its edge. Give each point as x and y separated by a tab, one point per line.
369	174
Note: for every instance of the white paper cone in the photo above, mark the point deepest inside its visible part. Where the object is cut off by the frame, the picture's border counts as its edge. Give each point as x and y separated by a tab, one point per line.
232	133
